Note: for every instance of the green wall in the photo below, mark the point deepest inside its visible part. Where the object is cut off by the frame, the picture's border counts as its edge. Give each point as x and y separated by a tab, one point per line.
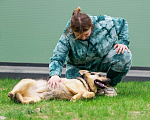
30	29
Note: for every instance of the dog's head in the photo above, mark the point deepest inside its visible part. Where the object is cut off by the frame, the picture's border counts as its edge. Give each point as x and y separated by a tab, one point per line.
94	79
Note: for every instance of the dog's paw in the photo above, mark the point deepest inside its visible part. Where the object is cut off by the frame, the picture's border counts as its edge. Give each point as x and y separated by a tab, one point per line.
31	102
88	95
10	95
72	99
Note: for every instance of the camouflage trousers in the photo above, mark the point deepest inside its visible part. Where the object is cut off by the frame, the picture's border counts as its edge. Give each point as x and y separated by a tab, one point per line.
116	66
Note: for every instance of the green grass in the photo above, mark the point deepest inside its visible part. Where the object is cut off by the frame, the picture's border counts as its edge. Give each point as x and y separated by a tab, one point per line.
132	102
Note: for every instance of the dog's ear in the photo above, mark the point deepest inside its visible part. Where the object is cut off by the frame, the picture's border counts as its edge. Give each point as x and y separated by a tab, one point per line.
83	72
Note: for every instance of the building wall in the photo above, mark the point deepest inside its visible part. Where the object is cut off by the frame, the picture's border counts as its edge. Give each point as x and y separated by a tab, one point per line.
30	29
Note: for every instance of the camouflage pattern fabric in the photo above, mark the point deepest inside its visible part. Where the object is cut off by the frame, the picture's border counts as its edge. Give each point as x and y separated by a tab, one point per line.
96	53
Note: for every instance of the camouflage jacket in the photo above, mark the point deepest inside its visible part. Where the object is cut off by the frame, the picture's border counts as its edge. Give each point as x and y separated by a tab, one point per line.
107	32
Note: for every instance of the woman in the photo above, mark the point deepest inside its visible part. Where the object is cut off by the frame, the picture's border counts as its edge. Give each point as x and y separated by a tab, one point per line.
94	43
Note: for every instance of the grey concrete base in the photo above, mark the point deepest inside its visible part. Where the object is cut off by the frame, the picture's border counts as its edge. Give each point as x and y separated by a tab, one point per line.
20	72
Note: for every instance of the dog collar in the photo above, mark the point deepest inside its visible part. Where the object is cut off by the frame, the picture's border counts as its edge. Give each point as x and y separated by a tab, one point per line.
84	82
89	88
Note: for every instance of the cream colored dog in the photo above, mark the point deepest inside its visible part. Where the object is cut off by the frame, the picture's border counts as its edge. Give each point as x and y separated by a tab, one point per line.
85	87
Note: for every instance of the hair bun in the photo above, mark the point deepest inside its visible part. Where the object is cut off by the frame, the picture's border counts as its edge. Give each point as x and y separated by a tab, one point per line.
76	11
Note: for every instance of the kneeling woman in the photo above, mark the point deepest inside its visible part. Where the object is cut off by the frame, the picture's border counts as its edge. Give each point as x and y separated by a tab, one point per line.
94	43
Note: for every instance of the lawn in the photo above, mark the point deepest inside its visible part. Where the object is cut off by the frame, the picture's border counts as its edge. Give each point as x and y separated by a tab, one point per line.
132	102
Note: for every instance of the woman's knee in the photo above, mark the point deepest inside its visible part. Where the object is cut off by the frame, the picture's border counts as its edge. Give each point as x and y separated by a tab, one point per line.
127	56
124	62
118	62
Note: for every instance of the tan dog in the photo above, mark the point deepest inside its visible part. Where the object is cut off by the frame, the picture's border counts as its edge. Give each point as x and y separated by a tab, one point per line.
85	87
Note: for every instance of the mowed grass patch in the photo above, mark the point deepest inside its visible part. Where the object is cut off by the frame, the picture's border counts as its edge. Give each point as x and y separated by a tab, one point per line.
132	102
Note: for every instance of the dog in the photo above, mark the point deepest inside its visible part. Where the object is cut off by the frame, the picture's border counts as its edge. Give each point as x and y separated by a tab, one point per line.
84	87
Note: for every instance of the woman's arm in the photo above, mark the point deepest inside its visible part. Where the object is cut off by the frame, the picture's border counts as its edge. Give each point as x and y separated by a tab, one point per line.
57	61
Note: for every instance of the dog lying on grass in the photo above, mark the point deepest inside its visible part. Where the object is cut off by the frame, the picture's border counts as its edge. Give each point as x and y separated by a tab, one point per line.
85	87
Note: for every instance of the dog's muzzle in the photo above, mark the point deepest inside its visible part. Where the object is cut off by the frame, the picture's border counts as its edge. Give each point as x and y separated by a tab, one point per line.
101	84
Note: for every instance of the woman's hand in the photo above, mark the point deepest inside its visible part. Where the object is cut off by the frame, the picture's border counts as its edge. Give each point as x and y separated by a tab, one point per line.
54	81
121	47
